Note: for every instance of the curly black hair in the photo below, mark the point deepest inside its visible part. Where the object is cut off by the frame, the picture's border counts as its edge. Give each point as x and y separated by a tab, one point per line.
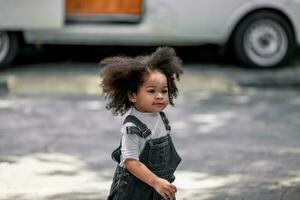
124	75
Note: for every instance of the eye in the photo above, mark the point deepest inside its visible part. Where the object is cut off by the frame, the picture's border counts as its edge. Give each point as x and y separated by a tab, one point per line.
151	91
165	91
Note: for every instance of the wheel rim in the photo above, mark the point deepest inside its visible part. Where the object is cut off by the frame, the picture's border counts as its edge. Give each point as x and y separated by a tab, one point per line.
4	45
265	43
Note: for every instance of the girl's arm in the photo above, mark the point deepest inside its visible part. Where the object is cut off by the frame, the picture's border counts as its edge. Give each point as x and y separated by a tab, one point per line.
162	186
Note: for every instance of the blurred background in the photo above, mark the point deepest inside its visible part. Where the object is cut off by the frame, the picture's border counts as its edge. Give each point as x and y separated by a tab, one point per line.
239	95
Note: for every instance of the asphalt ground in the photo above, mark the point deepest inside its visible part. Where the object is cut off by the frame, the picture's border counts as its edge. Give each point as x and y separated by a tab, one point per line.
236	129
78	66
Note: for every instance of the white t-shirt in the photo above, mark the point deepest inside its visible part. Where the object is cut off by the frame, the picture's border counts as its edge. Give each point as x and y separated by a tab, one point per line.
132	144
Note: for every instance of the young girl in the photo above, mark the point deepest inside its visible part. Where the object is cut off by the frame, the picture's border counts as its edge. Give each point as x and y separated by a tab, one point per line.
146	157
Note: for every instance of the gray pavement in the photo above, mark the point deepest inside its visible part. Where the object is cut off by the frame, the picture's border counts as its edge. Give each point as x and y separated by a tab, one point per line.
238	135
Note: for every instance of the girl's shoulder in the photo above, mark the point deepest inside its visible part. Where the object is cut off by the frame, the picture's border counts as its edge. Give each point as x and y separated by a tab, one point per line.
132	128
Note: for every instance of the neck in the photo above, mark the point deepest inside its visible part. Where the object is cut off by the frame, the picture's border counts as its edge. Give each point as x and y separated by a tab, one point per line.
144	113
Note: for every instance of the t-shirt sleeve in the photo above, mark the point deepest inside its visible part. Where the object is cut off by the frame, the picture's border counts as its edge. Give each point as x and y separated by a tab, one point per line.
130	144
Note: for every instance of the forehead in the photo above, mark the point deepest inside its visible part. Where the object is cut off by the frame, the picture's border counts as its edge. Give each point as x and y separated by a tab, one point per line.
155	78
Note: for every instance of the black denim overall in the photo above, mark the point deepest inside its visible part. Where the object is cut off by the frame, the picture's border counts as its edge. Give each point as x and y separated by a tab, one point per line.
159	155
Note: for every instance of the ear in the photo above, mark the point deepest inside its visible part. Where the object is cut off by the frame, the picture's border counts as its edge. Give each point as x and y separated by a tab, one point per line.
132	97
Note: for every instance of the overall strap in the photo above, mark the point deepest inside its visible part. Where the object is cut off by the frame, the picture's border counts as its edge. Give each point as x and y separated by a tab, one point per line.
165	120
141	129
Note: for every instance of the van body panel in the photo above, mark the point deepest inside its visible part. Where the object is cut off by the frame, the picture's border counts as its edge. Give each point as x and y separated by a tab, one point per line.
169	22
31	14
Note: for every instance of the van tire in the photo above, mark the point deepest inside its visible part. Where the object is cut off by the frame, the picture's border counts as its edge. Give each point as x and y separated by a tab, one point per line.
9	45
263	39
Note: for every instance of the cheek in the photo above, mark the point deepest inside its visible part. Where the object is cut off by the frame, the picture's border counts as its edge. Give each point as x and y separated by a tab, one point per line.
167	98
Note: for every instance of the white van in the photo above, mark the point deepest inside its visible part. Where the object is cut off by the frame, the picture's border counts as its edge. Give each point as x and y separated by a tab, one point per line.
261	33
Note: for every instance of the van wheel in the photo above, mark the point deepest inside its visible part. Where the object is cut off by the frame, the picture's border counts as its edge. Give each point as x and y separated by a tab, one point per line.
263	39
8	48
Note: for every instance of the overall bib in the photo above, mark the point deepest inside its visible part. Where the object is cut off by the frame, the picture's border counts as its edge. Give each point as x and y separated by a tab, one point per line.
159	155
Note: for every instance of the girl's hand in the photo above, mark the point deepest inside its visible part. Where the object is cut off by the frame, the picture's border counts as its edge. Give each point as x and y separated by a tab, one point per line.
162	186
165	189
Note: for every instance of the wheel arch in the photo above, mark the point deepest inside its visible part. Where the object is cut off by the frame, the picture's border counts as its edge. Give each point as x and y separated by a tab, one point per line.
19	34
13	41
250	12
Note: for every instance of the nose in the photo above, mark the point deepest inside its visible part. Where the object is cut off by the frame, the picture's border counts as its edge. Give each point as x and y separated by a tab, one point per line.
159	95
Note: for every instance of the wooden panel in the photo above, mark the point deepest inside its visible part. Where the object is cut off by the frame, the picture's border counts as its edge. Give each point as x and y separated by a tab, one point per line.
104	6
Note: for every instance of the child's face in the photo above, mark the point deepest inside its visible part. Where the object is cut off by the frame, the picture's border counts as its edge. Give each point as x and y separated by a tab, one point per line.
153	95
